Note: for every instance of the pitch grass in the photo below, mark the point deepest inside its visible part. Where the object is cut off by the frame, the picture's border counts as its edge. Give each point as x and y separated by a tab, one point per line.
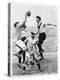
48	65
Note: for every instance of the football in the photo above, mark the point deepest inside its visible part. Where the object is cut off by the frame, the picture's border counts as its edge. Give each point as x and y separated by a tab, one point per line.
28	13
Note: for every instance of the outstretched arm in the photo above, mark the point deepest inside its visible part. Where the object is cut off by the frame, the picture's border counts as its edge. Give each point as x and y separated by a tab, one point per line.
22	24
51	24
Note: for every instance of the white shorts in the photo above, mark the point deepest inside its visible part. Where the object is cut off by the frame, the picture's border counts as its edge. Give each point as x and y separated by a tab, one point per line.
21	44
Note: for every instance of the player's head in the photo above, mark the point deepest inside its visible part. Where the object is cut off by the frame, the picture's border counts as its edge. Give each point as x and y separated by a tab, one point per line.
16	24
38	19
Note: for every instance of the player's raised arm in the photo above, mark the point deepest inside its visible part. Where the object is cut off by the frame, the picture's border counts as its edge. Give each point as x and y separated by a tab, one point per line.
22	24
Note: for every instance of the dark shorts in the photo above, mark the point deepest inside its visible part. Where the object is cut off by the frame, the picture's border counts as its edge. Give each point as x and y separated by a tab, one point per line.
42	37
